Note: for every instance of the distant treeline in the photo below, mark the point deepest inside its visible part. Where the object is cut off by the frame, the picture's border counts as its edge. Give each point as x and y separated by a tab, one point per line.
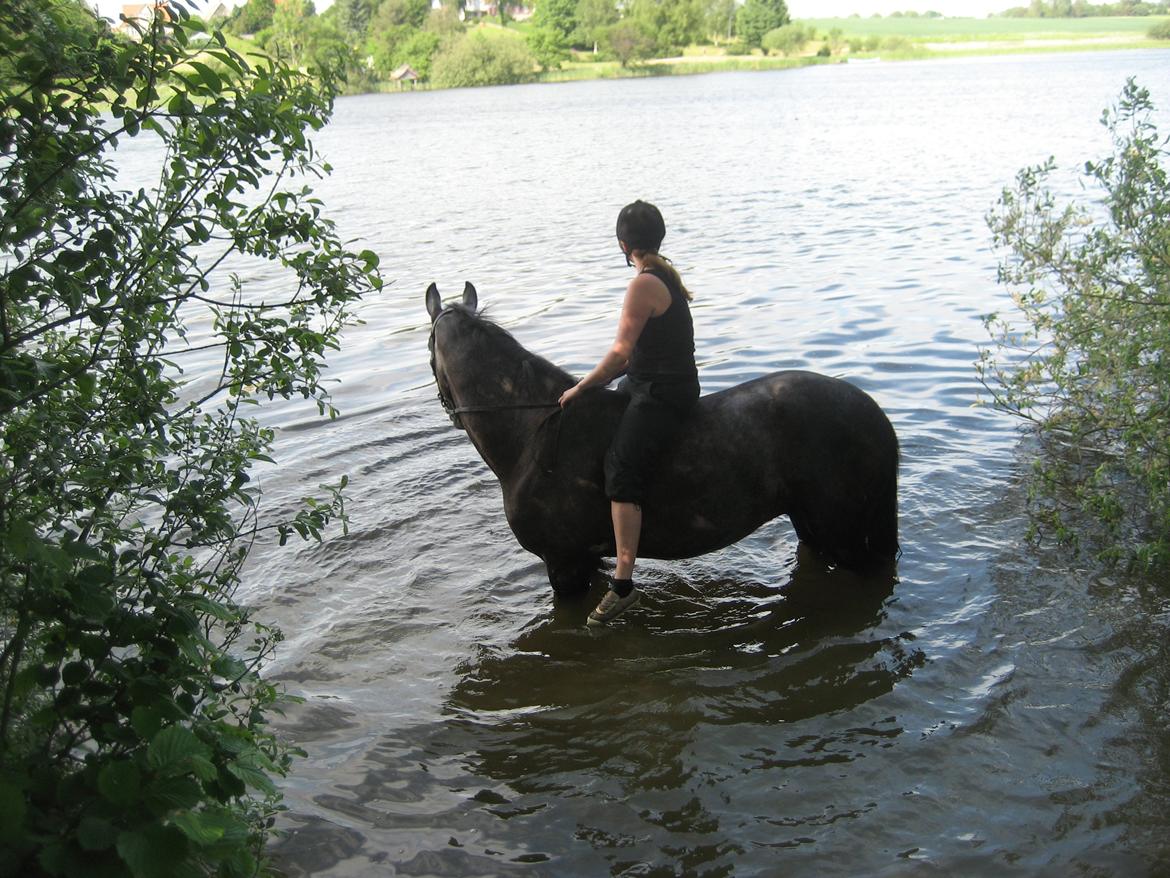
1081	9
448	45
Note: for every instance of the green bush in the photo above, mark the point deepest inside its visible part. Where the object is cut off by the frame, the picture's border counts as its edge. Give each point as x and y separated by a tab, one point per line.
133	718
629	41
756	17
787	40
896	44
548	46
475	59
1160	31
1089	368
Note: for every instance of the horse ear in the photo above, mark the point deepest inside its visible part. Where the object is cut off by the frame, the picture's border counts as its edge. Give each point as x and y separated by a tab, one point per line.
434	302
470	297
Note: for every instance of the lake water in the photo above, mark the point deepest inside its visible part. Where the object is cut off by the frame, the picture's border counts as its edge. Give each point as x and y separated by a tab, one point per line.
999	710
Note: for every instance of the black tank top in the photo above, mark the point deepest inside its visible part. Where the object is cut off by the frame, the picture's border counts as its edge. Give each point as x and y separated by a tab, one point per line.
665	351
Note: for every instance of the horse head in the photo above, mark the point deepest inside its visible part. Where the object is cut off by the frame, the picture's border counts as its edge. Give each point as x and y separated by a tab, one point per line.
437	311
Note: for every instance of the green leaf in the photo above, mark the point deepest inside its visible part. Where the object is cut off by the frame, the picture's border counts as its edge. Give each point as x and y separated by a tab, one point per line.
251	775
95	834
168	794
12	812
215	609
152	852
201	828
174	744
208	76
146	722
228	667
119	782
204	769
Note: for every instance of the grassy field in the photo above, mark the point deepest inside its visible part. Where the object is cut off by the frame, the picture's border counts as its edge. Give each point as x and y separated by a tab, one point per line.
691	63
949	29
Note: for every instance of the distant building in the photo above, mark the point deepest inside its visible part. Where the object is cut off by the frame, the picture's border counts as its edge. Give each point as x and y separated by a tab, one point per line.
473	9
221	10
142	15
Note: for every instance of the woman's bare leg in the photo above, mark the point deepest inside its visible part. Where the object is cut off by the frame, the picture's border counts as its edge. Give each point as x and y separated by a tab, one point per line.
627	528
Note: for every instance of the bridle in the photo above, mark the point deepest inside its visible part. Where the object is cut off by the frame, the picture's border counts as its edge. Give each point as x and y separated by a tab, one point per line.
453	411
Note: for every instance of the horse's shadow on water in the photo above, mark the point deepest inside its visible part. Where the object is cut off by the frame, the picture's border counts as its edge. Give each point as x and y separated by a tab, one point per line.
715	652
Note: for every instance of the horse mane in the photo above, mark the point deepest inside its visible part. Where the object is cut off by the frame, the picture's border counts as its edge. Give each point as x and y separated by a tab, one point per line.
531	364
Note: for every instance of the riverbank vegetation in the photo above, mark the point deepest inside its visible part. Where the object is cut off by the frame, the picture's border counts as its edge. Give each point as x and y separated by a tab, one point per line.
134	736
1086	360
394	44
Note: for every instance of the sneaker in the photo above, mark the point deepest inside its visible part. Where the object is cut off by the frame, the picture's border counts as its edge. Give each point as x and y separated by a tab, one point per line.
612	606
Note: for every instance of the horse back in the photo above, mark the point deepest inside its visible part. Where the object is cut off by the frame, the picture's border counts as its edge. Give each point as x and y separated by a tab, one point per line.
816	448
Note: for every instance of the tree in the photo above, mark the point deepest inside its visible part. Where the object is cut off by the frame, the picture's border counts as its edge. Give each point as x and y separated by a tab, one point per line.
133	718
548	47
476	59
720	18
629	41
395	35
686	25
300	38
557	15
675	23
593	17
1089	368
353	17
444	21
384	46
419	51
756	17
554	22
392	13
253	17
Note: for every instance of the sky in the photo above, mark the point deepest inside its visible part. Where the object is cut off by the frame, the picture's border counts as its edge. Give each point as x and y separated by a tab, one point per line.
796	8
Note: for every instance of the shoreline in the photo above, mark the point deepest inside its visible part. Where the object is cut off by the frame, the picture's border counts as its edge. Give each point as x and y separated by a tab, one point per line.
698	64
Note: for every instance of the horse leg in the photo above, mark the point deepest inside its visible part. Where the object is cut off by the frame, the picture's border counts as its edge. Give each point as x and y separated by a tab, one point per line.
569	575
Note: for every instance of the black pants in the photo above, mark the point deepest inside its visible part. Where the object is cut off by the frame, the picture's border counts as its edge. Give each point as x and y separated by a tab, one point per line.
651	420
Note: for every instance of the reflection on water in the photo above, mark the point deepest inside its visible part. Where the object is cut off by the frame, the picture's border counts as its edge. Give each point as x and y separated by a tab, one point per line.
630	709
985	708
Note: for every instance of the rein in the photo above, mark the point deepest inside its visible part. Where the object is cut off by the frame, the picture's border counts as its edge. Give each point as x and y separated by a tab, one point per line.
547	465
504	406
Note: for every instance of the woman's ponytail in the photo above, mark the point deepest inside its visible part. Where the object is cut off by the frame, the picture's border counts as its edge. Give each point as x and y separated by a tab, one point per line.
660	262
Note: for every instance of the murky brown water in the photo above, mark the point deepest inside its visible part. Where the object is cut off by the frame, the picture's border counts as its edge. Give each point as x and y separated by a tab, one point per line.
996	710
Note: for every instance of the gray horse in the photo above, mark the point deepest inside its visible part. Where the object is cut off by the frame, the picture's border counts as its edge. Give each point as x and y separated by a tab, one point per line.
809	446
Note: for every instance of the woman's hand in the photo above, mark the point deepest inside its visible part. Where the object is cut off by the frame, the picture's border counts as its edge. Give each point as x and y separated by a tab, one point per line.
570	394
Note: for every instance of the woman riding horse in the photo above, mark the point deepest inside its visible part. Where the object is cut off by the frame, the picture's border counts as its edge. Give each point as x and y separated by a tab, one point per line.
655	347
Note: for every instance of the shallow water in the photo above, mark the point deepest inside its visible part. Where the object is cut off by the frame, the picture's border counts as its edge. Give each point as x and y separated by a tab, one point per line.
987	708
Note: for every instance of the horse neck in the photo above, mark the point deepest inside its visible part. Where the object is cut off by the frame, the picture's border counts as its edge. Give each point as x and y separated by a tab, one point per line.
503	437
504	434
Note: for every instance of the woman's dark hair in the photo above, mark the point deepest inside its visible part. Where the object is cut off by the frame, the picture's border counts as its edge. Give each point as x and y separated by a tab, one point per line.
640	227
